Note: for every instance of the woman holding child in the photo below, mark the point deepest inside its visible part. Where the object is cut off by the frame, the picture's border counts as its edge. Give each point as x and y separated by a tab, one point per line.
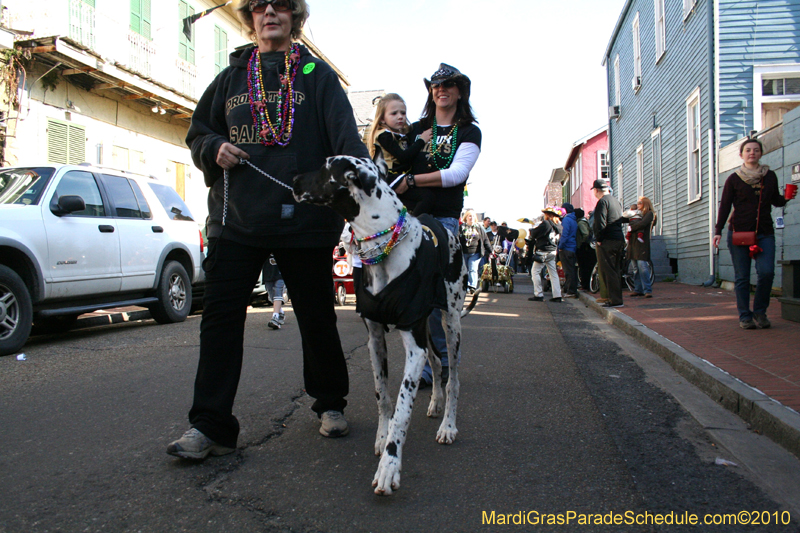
639	246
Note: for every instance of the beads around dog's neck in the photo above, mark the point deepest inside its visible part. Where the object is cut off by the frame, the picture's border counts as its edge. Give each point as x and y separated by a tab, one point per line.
396	230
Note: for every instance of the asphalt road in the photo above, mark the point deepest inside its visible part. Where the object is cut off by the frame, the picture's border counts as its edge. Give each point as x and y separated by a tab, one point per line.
554	417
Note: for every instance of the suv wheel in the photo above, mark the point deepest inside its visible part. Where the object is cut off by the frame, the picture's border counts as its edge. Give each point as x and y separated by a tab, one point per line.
174	294
16	312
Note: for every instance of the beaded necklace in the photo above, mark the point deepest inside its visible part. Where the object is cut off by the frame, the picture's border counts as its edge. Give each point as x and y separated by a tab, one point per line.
279	133
436	146
396	229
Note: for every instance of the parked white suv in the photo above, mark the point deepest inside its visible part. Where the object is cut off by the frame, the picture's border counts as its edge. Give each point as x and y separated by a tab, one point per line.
75	238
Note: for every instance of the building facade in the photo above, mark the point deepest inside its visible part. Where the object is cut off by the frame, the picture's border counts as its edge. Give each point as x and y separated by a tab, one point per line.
587	161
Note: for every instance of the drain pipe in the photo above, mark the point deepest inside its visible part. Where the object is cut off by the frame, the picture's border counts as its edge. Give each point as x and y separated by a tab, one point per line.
713	175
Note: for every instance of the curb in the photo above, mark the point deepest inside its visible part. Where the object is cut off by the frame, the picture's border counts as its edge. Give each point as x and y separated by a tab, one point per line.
761	412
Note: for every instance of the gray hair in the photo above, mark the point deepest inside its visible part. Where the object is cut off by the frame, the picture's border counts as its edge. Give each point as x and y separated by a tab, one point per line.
299	16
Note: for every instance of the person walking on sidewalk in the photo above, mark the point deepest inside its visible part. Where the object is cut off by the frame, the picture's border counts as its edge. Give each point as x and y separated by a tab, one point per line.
751	191
285	111
546	236
586	255
610	241
477	247
567	251
639	247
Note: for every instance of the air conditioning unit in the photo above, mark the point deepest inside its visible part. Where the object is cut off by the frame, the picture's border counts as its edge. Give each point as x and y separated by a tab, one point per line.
613	111
636	83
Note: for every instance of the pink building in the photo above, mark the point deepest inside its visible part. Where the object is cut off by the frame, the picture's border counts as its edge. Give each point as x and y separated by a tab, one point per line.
587	161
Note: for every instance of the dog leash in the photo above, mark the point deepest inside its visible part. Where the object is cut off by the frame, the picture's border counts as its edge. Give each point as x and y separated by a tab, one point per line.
225	192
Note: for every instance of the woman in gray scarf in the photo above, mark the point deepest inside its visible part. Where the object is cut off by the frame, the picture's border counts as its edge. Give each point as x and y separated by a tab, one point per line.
752	191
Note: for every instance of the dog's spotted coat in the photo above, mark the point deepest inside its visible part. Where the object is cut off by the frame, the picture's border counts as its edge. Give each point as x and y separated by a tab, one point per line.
354	188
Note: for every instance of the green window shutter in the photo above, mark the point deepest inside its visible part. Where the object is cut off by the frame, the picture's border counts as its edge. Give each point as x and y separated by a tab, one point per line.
89	3
136	16
66	143
57	142
182	9
185	46
146	19
220	49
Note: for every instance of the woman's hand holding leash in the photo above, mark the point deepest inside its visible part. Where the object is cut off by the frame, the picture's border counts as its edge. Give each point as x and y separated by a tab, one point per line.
717	238
228	156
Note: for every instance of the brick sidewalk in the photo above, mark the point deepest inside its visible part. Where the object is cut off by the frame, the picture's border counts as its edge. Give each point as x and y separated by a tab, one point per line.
705	322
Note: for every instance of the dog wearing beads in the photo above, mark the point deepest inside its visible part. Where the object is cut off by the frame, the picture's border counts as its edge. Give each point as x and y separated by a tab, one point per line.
410	266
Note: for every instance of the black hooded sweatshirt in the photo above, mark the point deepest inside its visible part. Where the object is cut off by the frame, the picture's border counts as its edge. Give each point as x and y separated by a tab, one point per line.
260	212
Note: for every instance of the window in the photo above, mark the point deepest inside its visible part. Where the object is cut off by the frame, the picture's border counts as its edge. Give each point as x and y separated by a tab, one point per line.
140	17
82	184
619	183
776	91
656	199
603	170
661	30
577	173
617	91
66	143
637	55
693	146
173	205
639	171
688	6
125	159
220	49
119	189
24	186
185	46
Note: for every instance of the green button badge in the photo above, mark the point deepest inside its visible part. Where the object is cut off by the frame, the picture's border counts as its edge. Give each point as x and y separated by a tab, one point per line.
309	68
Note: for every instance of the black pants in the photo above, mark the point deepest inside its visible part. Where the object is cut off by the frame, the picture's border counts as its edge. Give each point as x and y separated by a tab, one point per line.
609	262
587	258
567	259
232	270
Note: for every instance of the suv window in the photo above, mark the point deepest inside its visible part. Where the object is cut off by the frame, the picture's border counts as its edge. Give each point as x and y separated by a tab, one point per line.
24	185
173	205
143	205
122	196
82	184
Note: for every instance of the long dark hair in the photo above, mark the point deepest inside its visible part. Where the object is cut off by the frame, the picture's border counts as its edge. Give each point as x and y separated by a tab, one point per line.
464	114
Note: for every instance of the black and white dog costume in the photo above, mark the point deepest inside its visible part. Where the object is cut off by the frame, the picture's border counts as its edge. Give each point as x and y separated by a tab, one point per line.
425	269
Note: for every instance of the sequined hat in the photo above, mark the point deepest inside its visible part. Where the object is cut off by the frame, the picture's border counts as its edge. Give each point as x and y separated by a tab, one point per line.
446	72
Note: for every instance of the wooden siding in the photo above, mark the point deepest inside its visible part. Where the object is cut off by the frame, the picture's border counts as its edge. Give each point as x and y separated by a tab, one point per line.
661	102
751	33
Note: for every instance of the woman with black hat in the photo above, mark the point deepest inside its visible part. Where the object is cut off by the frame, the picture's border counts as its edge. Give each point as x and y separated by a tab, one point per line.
546	235
445	162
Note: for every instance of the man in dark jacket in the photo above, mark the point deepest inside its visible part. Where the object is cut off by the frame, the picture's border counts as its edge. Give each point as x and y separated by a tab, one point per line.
610	241
567	248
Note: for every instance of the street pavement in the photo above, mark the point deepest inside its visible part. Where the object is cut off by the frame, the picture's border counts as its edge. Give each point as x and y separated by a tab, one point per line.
558	412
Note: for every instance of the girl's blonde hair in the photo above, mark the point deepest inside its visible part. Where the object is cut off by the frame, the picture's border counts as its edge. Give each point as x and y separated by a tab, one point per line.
377	122
469	212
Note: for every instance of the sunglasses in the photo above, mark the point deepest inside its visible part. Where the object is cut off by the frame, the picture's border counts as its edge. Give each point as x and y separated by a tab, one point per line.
260	6
449	84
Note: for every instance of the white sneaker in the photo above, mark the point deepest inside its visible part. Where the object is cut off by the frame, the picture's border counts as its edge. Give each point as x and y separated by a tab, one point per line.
195	445
275	323
282	318
334	424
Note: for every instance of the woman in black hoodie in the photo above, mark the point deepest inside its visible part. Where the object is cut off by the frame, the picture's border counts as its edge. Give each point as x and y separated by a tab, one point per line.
285	112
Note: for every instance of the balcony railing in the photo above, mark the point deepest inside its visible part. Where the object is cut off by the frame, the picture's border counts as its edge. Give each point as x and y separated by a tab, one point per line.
82	23
187	77
142	53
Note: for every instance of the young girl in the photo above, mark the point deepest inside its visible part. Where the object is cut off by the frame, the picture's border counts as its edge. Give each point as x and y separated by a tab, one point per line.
388	133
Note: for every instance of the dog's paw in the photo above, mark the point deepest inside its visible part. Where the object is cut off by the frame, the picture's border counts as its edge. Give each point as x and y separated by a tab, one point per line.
446	434
435	407
387	478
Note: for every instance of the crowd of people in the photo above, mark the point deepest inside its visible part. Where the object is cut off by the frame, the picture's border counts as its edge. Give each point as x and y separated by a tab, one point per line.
255	221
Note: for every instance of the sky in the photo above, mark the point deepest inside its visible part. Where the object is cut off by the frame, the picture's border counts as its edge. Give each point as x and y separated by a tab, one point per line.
537	80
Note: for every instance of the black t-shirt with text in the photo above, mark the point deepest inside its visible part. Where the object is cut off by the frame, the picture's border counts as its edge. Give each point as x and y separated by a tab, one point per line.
449	200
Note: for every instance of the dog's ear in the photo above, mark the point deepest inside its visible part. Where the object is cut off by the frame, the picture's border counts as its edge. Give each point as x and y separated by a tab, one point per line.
380	162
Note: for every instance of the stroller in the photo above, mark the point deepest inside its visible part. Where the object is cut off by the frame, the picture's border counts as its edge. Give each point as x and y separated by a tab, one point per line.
497	272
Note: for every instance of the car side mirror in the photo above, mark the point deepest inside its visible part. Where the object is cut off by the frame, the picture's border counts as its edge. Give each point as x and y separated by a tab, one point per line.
69	203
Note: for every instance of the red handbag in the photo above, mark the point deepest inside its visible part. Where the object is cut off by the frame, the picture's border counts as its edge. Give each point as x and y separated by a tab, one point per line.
749	238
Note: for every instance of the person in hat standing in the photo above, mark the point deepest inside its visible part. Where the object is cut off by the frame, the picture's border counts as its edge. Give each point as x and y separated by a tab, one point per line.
610	241
546	236
444	163
567	251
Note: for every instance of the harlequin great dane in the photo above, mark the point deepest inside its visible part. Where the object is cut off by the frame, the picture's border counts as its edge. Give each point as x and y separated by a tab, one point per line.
422	268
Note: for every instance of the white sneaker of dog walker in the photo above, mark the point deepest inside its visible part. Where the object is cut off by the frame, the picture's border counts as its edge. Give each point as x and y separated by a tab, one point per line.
195	445
276	322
